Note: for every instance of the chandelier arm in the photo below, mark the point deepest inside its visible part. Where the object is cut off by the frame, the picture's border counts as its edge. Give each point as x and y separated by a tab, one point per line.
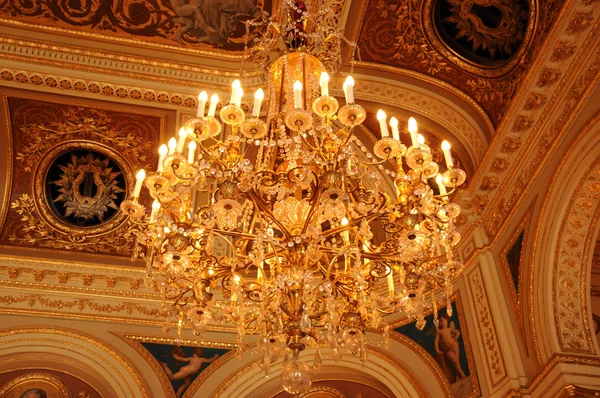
350	130
262	206
313	206
310	146
387	157
132	220
221	165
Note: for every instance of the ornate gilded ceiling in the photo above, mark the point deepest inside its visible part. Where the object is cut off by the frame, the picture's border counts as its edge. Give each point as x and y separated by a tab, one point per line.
72	167
483	48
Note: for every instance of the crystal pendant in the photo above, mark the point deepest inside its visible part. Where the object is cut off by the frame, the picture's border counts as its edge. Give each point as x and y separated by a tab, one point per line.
296	376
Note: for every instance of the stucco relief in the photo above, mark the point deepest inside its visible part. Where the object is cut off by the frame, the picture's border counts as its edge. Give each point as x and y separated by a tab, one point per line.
575	240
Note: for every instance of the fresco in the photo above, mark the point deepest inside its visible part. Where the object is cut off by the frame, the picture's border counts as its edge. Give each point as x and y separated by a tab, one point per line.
183	364
447	345
216	23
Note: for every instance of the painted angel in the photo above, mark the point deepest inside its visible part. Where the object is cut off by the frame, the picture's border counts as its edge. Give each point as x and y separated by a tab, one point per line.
187	371
447	348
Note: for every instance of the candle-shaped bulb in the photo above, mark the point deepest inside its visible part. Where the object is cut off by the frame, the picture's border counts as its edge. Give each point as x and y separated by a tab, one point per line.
235	87
191	151
390	282
181	141
381	116
259	95
139	180
297	95
260	274
162	152
413	129
440	182
172	145
238	98
214	100
202	98
349	90
324	83
447	154
420	139
155	208
395	131
346	233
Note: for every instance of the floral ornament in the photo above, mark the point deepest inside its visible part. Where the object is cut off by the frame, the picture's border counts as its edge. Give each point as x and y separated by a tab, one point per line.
292	213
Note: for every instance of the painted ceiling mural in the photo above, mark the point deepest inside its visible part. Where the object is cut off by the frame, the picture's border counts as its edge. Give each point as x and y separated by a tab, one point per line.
72	167
449	345
215	23
482	47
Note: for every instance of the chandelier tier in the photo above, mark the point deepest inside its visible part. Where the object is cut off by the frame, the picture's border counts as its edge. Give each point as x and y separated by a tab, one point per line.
280	225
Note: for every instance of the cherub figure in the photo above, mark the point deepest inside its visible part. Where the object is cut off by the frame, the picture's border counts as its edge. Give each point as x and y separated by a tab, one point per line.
187	371
446	347
189	16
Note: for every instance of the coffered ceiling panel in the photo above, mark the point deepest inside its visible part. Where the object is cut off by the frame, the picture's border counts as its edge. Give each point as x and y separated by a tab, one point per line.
73	163
483	48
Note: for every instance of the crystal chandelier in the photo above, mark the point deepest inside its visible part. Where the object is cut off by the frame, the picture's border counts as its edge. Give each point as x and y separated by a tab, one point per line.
279	224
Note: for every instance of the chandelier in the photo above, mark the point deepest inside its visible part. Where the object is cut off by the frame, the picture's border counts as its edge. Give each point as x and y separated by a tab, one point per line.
278	222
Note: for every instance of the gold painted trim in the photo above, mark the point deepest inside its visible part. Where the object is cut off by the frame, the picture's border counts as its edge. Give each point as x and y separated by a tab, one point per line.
490	336
81	290
550	365
51	379
9	161
108	349
399	365
339	394
517	295
568	116
593	121
174	48
41	46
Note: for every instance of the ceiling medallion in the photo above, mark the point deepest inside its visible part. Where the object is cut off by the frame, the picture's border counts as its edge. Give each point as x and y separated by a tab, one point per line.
317	253
79	186
486	37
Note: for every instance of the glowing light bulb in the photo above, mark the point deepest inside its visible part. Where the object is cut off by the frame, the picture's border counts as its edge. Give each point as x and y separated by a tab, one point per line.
381	116
202	98
259	95
181	141
162	152
172	145
447	154
139	180
440	182
395	131
297	95
413	129
349	90
324	83
214	100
